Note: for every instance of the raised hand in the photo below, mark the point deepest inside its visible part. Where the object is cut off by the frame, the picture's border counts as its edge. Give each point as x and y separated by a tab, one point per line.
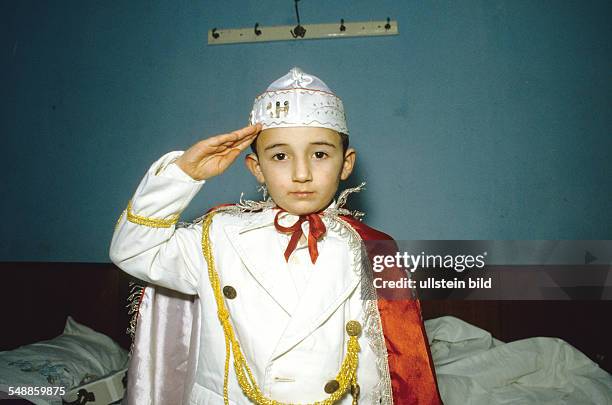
210	157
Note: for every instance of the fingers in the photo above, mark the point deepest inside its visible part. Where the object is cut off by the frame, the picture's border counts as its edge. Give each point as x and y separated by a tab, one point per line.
232	153
249	130
245	143
234	137
213	155
231	145
233	148
222	159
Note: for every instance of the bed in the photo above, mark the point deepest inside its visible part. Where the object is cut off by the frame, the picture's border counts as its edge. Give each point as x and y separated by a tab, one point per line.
38	298
64	324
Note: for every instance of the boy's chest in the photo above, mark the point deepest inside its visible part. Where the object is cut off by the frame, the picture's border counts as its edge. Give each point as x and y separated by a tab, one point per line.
280	301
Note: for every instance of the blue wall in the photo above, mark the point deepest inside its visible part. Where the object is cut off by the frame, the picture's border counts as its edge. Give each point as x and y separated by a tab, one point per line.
483	119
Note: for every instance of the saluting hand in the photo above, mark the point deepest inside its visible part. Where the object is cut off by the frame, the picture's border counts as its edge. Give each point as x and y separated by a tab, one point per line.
213	155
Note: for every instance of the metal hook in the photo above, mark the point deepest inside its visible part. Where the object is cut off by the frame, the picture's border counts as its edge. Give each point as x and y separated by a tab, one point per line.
342	27
388	25
298	31
257	30
215	34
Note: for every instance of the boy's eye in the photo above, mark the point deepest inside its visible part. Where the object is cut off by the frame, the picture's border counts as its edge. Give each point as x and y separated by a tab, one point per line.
320	155
279	156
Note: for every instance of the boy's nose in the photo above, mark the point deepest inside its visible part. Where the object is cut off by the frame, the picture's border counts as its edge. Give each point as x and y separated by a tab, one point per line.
301	171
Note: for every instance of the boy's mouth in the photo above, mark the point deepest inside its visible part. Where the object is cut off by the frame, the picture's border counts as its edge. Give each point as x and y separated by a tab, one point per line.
302	194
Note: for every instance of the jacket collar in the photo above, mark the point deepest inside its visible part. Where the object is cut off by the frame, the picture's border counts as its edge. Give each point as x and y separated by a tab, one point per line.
266	218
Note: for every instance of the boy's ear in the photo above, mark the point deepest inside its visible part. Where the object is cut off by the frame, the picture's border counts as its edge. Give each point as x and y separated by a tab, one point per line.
252	163
349	163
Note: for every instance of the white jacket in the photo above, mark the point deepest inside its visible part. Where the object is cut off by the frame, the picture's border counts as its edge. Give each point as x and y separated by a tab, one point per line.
289	318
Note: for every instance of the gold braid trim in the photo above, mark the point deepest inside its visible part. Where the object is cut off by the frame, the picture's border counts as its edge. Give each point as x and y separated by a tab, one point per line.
347	375
119	219
151	222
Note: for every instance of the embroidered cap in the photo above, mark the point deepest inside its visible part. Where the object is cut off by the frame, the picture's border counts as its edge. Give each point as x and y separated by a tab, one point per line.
299	99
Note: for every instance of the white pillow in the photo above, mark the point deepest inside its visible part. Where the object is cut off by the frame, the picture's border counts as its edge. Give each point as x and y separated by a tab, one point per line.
75	357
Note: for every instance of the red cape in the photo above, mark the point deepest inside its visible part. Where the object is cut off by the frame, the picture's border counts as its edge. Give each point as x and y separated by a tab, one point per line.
411	368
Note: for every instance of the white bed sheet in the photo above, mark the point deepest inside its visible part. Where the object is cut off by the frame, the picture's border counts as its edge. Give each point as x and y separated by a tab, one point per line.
473	368
75	357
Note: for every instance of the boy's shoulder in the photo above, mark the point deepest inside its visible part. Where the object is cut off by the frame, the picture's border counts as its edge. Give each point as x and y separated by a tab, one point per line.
365	231
234	214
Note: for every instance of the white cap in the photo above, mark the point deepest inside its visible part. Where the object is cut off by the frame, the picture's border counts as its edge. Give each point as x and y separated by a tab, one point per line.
299	100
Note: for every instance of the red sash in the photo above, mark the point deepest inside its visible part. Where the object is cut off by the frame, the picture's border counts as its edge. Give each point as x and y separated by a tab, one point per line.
412	372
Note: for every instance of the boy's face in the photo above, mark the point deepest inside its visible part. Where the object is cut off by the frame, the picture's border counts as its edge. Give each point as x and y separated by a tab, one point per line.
301	166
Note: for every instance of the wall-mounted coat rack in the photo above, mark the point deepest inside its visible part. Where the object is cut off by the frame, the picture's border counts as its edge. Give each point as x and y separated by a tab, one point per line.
340	29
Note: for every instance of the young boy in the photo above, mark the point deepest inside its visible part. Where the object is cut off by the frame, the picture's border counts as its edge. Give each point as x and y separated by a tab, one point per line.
280	287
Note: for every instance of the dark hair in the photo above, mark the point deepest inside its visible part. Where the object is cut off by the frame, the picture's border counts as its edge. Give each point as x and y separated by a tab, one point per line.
344	138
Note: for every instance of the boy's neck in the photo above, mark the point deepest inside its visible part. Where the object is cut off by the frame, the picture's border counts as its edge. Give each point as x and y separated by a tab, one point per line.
331	204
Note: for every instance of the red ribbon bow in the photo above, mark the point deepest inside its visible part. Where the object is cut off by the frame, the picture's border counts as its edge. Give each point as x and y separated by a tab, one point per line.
316	229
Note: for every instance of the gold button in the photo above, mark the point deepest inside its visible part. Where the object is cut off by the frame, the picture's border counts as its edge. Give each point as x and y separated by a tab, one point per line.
353	328
332	386
229	292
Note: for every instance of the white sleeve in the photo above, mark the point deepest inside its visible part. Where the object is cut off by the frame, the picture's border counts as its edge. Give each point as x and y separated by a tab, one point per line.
146	243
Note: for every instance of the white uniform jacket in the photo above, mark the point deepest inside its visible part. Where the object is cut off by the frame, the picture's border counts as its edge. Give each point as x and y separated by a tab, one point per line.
289	318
